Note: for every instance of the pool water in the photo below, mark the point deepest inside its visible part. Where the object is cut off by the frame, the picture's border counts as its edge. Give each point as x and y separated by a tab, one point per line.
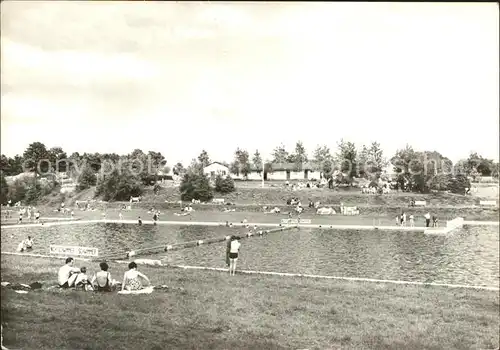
468	256
109	238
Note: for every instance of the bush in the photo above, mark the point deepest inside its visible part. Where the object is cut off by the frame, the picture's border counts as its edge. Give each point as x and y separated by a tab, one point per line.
224	185
17	191
195	185
119	186
458	184
33	192
440	182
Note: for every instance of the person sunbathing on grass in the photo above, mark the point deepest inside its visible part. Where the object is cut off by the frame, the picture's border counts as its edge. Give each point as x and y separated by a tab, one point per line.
131	279
102	280
67	274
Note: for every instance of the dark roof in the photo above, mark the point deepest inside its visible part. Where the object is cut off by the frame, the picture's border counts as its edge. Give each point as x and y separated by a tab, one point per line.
217	163
294	166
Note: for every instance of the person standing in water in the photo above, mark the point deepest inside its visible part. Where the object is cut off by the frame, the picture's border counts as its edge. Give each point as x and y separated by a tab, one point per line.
233	255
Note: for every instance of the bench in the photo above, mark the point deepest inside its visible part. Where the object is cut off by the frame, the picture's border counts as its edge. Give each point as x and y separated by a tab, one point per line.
218	200
350	211
295	221
488	203
420	203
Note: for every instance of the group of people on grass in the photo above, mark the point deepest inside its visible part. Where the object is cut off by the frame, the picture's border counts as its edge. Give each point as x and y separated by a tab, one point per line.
25	245
31	214
70	276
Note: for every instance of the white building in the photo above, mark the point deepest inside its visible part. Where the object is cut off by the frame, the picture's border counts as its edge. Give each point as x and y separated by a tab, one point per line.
215	169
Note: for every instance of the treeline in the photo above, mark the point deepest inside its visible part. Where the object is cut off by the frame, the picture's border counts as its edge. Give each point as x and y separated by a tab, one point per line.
118	177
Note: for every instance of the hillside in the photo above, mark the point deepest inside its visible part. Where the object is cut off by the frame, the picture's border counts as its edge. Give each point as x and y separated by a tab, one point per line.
348	196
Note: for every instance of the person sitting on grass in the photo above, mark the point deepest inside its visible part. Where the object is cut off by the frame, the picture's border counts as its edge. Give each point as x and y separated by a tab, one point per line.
29	243
67	274
21	247
102	279
131	279
82	280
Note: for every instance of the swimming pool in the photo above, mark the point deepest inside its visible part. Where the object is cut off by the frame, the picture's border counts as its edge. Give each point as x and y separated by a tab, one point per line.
468	256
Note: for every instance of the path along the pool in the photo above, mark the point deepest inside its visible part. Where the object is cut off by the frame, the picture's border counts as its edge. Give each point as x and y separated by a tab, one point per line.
259	224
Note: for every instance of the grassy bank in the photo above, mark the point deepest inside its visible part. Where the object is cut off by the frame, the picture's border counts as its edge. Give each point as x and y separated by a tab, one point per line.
216	311
346	195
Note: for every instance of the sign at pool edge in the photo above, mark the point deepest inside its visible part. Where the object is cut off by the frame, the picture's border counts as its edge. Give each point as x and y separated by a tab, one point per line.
73	250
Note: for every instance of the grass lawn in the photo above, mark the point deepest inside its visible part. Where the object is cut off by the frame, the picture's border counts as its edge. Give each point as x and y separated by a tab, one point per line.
216	311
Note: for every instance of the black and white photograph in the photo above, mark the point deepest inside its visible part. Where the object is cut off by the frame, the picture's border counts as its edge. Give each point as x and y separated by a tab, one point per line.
249	175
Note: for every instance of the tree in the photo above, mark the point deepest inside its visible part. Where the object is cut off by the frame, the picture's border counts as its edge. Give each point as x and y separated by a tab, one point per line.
376	160
11	166
257	160
347	157
418	170
495	171
119	185
280	155
476	162
196	186
87	178
36	158
156	162
300	156
204	159
324	160
178	169
4	189
224	185
363	158
241	163
58	159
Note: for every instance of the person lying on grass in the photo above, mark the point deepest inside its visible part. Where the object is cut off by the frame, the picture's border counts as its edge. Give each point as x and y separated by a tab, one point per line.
67	274
131	279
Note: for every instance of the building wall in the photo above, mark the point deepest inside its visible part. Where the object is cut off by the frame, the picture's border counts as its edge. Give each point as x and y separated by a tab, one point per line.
216	169
254	175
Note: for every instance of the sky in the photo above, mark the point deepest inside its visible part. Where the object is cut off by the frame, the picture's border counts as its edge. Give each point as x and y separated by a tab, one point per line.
181	77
